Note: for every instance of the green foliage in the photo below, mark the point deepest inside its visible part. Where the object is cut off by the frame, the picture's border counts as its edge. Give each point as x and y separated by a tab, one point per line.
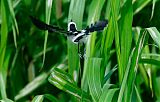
121	63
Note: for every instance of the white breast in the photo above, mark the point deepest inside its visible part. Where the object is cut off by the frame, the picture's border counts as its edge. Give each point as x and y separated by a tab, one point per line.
81	37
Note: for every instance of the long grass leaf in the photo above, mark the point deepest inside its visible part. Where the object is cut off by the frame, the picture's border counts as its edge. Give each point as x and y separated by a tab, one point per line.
76	12
3	44
109	74
48	14
14	22
41	98
132	69
6	100
38	98
138	5
150	61
51	97
153	7
124	82
65	82
113	28
39	80
107	93
94	14
125	32
154	34
138	94
110	94
94	80
107	39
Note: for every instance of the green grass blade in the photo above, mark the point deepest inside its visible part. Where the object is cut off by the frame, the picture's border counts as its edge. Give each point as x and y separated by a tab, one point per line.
134	65
131	71
94	15
138	5
138	94
153	7
109	95
14	22
107	40
51	98
113	29
3	44
150	61
154	33
109	74
73	59
124	82
125	32
94	80
47	20
104	92
39	80
76	12
38	98
41	98
3	74
6	100
65	82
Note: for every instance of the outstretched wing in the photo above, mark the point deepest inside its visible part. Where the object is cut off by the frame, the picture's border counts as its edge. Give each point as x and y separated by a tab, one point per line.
98	26
43	26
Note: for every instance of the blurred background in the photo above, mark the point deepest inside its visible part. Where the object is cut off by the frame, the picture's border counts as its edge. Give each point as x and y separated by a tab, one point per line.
28	55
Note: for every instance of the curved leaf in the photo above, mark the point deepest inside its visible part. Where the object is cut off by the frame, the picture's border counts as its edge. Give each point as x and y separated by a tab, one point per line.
64	81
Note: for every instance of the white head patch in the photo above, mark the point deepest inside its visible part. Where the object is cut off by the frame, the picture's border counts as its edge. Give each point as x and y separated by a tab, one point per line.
72	26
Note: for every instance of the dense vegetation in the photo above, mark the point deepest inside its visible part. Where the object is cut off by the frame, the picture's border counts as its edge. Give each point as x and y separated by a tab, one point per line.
122	63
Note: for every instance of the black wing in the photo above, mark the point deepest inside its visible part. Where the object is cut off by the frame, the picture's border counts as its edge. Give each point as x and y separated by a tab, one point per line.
98	26
43	26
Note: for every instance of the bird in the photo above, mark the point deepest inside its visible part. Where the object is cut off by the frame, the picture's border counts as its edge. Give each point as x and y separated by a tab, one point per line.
75	35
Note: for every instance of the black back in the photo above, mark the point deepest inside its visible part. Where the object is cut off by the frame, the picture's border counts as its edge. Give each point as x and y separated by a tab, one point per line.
98	26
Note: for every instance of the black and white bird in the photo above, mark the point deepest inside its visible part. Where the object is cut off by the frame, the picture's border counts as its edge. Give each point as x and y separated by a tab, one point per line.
76	36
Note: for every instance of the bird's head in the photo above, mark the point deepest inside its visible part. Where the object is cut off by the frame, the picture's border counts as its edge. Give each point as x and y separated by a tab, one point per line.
72	26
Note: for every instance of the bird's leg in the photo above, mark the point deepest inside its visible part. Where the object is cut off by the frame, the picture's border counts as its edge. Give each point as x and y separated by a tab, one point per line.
81	55
84	50
79	51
